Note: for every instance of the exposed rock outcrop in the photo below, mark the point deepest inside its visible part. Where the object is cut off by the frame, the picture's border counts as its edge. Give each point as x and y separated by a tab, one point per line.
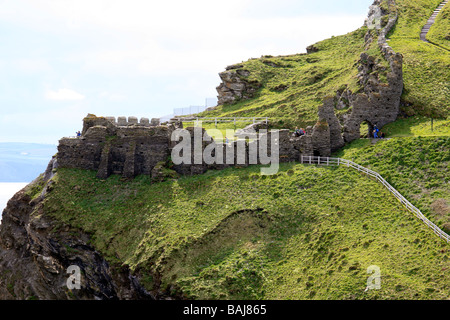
36	252
311	49
235	85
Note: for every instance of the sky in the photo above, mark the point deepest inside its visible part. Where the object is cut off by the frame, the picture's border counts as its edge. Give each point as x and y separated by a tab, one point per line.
63	59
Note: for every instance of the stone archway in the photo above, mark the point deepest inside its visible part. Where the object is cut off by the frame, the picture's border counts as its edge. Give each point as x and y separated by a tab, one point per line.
359	127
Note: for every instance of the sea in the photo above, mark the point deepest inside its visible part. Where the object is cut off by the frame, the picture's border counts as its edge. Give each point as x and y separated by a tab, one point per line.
21	163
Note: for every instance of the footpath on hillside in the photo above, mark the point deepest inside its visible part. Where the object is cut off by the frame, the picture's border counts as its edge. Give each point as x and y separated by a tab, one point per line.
430	22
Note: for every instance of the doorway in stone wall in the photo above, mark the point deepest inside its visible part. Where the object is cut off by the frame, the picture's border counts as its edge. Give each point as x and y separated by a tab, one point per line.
366	130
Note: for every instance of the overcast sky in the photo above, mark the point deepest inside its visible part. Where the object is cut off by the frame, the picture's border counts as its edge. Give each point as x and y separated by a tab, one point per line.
60	60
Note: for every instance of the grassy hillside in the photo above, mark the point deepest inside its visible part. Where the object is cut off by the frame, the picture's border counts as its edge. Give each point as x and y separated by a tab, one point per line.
426	77
440	30
306	233
293	87
417	167
418	126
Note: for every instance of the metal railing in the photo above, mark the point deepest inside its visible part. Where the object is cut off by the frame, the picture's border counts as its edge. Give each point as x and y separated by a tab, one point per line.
217	120
339	161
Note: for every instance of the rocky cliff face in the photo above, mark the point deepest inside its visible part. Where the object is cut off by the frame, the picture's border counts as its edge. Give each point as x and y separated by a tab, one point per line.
37	252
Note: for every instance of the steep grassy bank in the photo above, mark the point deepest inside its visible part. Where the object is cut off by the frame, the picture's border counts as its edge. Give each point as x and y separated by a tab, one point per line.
306	233
417	167
440	30
425	68
293	87
418	126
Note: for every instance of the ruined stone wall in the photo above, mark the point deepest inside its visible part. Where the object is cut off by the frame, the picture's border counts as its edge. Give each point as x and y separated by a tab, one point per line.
130	147
379	102
137	149
130	121
115	149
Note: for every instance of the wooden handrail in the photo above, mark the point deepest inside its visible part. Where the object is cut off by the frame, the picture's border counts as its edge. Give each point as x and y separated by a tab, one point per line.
409	206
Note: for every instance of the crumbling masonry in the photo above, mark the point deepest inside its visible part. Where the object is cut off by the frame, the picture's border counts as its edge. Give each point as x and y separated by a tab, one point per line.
130	147
378	104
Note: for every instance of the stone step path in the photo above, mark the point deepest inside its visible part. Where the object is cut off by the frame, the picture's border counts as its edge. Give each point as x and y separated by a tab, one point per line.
426	28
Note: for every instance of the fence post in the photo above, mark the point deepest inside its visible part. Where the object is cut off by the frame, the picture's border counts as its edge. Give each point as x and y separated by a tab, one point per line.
408	205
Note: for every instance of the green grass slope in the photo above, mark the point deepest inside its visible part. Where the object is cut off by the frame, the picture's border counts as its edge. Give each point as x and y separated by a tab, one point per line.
440	30
418	126
425	66
293	87
306	233
416	166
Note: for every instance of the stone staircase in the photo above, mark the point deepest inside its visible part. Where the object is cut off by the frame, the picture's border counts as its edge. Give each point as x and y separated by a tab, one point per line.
426	28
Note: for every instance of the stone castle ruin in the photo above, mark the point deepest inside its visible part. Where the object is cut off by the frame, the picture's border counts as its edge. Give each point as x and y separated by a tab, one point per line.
130	147
378	104
133	148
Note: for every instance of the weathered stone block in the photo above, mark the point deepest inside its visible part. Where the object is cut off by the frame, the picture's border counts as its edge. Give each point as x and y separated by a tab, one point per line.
122	121
144	122
132	120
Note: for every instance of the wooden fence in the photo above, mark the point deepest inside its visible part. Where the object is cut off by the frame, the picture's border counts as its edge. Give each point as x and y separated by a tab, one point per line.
326	161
